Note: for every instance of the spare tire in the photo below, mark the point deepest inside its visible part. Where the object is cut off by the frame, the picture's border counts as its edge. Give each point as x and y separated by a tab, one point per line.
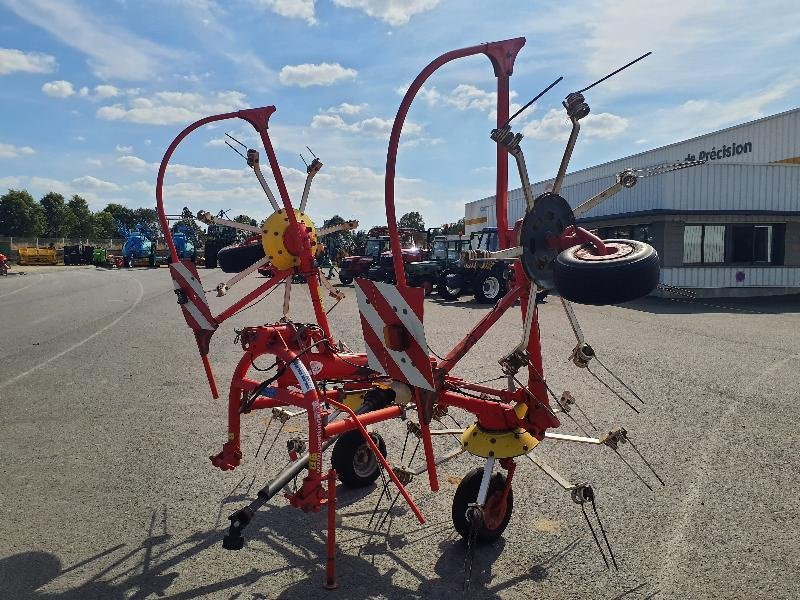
234	259
628	272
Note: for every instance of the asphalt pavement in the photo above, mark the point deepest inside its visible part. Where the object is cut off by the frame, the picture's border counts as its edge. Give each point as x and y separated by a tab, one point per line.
106	425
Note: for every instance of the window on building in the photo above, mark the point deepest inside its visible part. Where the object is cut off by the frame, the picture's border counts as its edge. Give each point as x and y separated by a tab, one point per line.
704	244
626	232
752	244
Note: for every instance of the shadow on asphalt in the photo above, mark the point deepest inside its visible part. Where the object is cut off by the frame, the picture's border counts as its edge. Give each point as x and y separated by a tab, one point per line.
150	569
768	305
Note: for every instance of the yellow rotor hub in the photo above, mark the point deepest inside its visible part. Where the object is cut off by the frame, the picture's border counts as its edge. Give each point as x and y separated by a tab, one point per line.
498	444
274	239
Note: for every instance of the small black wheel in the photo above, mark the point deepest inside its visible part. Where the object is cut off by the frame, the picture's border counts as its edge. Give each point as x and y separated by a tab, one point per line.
450	285
628	272
354	461
496	513
541	295
345	277
235	259
152	261
489	288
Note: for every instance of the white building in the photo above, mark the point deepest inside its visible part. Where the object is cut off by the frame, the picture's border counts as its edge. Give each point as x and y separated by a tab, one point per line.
730	227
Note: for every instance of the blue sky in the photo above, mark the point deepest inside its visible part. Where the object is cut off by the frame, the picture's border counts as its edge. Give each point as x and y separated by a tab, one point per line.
92	93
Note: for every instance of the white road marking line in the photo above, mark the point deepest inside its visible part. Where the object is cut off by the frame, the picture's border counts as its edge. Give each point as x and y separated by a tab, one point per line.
24	287
82	342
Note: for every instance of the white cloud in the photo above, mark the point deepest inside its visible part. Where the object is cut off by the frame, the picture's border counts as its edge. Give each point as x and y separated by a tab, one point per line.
345	108
167	108
10	183
94	162
393	12
87	182
309	74
58	89
292	9
12	151
112	51
556	126
374	126
101	92
124	149
707	115
134	163
17	61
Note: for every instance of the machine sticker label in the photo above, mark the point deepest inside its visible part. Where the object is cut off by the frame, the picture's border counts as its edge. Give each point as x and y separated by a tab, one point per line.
315	367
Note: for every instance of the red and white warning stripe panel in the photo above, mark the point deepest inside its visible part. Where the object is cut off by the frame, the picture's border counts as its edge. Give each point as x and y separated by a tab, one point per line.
391	320
192	296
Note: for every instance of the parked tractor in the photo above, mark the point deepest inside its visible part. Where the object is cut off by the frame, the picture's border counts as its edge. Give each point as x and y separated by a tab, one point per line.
444	252
217	238
358	265
139	249
185	241
486	279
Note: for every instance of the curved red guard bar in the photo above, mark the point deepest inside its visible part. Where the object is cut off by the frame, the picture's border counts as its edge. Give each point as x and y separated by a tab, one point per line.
502	55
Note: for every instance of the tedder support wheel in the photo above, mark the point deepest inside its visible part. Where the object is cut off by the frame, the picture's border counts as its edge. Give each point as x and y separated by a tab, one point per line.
345	277
496	514
450	286
489	288
628	272
234	259
354	461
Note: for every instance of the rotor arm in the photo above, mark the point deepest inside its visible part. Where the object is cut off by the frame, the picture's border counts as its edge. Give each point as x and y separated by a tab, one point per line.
625	179
311	171
209	219
253	163
511	142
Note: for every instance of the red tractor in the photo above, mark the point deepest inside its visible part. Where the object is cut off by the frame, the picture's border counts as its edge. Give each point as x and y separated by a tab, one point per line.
374	261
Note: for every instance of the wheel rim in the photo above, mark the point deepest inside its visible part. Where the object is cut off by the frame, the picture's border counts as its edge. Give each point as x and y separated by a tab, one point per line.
494	511
491	287
364	461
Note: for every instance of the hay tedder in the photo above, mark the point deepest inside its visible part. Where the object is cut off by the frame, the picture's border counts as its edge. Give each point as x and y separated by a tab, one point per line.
398	379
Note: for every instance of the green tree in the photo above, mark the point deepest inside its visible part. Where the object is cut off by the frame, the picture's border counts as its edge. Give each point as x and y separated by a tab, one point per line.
456	228
21	215
338	240
103	226
60	220
84	224
359	242
125	215
148	216
412	220
245	220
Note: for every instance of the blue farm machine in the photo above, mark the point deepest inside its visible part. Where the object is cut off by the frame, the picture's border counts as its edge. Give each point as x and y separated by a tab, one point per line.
139	248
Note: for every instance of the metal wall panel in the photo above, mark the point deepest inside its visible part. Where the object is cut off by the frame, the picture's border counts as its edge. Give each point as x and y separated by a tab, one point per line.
725	277
711	187
737	182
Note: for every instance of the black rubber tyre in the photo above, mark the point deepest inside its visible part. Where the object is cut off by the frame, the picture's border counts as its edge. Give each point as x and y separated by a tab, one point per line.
345	277
152	261
630	273
234	259
541	295
489	288
467	493
354	461
445	291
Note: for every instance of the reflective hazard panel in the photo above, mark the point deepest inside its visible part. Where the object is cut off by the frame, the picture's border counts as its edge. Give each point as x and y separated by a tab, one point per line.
391	320
191	296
